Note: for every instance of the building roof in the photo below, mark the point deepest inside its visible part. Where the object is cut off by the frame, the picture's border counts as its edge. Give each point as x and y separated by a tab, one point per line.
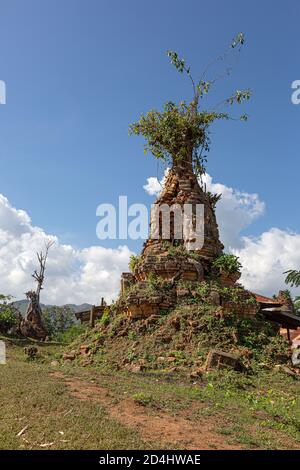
286	319
266	300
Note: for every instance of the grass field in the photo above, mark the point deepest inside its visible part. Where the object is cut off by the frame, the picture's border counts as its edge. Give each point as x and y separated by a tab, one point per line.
47	405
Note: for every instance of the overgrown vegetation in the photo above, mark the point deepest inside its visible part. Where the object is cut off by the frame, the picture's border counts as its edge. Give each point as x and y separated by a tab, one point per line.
179	251
133	262
69	334
151	287
228	263
182	337
180	133
293	279
57	320
9	315
297	304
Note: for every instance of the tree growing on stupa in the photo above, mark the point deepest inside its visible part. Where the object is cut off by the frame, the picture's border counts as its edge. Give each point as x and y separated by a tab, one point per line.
180	133
179	301
174	254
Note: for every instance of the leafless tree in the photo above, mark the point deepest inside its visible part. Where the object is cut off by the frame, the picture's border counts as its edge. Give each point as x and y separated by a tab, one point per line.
39	276
32	325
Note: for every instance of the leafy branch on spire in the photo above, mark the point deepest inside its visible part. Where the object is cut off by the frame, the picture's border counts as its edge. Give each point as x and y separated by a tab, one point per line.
179	134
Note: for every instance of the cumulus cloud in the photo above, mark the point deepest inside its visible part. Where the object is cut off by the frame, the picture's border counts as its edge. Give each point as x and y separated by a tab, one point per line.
154	186
264	258
235	211
86	275
73	276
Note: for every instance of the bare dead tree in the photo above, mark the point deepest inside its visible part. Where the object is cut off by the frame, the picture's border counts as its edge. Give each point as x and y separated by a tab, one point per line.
32	325
40	276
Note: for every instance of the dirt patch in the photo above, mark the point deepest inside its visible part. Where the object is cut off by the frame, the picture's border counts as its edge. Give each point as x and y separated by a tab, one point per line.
177	431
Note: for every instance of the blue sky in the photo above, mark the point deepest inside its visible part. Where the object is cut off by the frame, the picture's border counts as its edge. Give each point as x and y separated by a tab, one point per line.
79	72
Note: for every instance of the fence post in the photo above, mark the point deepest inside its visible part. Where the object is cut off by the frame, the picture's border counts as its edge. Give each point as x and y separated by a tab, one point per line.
92	317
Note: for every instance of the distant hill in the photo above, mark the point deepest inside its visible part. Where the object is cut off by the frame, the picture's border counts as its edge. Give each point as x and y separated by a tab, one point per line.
22	306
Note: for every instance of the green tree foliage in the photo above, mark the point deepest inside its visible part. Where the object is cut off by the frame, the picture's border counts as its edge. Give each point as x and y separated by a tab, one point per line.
70	334
57	319
293	278
9	315
180	132
228	263
297	303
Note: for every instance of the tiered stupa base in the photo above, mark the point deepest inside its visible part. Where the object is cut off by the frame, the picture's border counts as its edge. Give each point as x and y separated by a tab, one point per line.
165	267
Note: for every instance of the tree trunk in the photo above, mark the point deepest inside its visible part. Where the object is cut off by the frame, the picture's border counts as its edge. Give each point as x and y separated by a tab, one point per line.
32	325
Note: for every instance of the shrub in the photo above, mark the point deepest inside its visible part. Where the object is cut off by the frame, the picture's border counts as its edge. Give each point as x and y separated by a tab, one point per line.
228	263
9	315
132	335
70	334
105	319
134	261
175	251
142	398
57	319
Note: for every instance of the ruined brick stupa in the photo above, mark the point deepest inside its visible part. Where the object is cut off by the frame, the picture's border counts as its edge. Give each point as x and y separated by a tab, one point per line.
164	268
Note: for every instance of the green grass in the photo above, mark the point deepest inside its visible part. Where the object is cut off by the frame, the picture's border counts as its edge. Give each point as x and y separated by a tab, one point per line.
70	334
143	398
31	397
260	410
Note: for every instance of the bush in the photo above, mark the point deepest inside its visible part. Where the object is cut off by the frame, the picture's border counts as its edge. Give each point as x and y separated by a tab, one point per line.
105	319
142	398
134	261
228	263
70	334
57	319
9	315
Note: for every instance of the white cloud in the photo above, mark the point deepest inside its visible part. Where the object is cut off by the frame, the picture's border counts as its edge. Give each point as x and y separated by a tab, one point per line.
155	186
86	275
72	276
264	258
235	211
